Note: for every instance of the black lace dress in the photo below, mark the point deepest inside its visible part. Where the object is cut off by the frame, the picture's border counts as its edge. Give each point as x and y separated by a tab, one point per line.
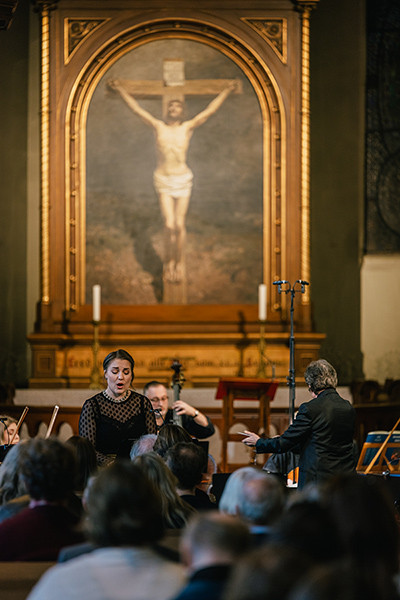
112	426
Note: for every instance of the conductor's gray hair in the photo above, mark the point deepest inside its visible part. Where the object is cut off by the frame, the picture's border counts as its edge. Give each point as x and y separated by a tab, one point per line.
320	375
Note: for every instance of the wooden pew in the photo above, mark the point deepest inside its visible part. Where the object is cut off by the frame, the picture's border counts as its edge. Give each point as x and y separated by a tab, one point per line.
18	578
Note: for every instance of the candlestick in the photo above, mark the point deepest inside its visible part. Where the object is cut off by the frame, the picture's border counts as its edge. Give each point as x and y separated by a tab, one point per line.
262	302
261	350
96	295
95	383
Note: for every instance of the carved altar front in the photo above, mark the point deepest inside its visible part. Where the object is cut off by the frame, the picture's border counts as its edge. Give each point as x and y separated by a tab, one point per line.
185	287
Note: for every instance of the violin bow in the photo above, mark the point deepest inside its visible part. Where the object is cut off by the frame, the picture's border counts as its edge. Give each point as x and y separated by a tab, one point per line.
53	418
21	420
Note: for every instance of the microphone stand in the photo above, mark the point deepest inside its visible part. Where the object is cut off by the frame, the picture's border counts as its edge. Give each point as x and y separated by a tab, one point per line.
291	380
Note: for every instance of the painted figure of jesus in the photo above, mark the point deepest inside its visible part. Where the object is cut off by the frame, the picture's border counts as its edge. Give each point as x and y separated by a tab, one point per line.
173	178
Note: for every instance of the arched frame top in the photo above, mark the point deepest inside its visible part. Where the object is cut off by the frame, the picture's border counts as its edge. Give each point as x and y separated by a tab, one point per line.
274	119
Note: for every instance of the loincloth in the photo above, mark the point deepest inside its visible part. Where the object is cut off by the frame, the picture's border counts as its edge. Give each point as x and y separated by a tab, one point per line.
174	185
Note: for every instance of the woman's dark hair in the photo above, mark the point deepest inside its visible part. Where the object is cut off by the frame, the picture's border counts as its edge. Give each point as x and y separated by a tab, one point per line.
168	436
121	354
124	507
86	460
175	510
186	461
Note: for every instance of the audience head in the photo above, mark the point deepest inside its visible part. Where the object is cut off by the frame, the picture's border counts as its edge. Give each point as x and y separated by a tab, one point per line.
175	511
144	444
268	572
328	582
320	375
8	427
308	528
47	468
230	496
212	538
156	392
186	461
124	508
261	499
168	436
86	460
11	484
364	515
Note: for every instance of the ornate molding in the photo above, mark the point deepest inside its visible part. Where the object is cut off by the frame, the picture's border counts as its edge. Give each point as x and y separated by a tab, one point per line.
305	151
44	5
76	31
45	153
306	5
274	150
274	32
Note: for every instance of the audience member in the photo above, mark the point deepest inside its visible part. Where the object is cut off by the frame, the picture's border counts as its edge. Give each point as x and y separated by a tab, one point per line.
175	510
322	430
308	529
13	496
168	436
187	463
260	504
144	444
124	521
48	471
210	546
329	582
230	495
196	423
267	572
364	516
86	460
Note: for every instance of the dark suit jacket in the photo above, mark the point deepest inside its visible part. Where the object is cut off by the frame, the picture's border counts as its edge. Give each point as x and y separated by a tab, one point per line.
323	429
206	583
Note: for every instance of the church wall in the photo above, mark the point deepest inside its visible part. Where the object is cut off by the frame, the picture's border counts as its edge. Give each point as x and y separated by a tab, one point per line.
380	324
337	166
13	197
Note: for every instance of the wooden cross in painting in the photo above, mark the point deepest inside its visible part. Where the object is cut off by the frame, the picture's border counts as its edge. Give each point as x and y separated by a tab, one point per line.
172	177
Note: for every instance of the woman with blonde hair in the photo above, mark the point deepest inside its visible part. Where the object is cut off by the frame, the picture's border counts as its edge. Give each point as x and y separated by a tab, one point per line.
175	510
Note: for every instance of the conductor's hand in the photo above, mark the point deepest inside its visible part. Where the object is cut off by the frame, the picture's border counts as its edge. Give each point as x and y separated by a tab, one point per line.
182	408
251	438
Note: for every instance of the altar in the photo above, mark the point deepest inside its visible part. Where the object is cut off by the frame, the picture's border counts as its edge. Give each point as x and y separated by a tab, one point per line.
178	279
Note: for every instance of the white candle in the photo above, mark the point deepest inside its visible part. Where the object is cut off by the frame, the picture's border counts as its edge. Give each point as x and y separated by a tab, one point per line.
262	302
96	291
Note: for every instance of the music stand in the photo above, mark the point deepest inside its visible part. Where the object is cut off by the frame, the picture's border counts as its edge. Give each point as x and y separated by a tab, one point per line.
240	388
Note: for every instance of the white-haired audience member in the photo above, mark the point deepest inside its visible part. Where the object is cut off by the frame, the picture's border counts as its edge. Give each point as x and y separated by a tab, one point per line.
255	496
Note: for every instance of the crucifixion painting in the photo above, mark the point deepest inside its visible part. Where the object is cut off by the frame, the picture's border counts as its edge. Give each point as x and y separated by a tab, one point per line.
173	177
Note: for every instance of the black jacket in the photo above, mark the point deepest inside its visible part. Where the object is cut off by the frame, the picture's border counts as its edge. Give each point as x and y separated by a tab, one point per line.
323	429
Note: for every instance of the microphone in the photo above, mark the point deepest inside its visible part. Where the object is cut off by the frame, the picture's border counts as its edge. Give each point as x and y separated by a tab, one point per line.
302	282
157	412
279	282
